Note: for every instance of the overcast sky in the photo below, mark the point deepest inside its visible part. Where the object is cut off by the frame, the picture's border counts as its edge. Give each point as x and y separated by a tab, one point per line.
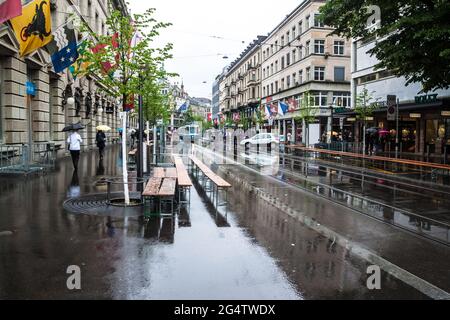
198	23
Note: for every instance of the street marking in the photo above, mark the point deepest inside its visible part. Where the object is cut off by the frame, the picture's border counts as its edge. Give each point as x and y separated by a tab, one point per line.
6	233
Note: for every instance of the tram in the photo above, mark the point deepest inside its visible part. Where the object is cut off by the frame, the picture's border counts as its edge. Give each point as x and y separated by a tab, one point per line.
190	132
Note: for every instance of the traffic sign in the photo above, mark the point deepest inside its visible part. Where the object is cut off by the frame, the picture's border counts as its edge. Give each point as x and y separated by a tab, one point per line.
391	107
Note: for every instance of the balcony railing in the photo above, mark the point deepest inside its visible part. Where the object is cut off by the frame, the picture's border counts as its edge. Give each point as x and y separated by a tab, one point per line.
252	81
252	100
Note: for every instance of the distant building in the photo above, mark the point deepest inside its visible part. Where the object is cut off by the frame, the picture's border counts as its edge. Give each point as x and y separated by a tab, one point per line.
216	97
240	86
299	57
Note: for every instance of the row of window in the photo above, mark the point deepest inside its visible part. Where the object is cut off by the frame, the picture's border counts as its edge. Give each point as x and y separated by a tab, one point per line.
292	57
320	99
297	78
375	76
293	33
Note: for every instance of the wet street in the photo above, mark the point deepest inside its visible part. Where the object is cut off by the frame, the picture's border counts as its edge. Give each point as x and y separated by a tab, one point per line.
252	250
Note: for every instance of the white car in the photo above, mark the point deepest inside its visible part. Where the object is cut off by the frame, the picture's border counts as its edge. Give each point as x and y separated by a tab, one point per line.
262	138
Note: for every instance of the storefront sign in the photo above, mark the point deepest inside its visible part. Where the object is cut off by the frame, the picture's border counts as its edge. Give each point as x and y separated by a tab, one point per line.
342	110
445	113
415	115
351	119
431	98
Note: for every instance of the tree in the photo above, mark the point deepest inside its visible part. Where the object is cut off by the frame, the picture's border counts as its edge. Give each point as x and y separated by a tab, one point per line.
413	39
126	66
307	113
365	106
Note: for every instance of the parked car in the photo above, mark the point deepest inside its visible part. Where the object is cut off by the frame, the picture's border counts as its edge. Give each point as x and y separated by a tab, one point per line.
262	138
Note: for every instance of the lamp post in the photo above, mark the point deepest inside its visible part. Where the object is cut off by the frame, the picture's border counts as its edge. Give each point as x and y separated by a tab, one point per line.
140	164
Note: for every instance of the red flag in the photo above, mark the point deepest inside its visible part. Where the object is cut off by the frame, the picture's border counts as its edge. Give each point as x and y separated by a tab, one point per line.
10	9
101	48
129	105
293	104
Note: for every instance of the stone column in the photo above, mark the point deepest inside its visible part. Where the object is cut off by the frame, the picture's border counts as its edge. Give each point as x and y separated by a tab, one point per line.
14	100
57	88
41	107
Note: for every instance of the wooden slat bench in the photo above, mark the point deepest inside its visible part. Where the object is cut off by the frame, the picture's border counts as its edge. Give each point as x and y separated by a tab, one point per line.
184	181
165	173
414	163
161	190
216	183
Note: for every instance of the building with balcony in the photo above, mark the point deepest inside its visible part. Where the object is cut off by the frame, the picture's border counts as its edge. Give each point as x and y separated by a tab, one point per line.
299	58
241	84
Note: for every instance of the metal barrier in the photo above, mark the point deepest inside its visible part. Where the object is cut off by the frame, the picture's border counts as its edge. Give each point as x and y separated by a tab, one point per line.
22	158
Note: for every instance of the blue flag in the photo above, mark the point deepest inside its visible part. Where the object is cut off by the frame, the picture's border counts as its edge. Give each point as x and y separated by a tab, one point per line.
65	58
183	108
283	108
63	49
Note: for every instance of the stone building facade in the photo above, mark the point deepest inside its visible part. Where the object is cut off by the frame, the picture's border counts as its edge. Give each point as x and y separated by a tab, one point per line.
38	118
300	56
240	86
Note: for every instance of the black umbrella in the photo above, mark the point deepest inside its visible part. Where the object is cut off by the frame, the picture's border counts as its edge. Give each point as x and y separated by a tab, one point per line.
74	127
372	130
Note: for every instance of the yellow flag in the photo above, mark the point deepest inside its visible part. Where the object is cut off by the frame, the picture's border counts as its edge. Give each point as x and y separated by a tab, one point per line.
33	28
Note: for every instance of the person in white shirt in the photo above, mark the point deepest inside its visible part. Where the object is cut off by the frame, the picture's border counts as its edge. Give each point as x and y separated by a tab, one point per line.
74	142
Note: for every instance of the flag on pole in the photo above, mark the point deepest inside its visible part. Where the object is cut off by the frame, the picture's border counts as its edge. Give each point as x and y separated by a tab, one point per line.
33	29
293	104
80	67
268	111
63	49
10	9
184	107
283	108
129	104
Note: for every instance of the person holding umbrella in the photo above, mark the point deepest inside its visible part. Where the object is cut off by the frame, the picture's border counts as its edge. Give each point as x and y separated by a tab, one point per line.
100	139
74	142
101	142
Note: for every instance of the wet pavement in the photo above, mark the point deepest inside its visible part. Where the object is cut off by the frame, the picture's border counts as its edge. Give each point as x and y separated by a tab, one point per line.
415	205
254	252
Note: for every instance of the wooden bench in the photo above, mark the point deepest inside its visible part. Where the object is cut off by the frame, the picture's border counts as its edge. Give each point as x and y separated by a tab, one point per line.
184	181
165	173
216	183
373	158
159	191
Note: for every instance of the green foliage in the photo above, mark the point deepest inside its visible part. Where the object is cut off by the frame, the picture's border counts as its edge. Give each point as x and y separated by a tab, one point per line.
413	40
137	69
307	109
365	104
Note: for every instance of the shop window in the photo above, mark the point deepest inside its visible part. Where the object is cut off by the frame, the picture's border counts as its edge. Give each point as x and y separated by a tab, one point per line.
342	99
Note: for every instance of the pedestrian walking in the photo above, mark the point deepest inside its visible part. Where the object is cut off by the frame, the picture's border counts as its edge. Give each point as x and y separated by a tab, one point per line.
101	142
74	142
